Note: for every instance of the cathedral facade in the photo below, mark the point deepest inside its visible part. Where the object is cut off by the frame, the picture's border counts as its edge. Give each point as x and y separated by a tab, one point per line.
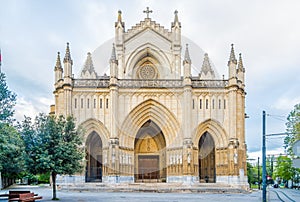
150	119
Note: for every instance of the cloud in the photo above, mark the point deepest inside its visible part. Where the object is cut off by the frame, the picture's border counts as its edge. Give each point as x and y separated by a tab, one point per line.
286	103
266	33
31	108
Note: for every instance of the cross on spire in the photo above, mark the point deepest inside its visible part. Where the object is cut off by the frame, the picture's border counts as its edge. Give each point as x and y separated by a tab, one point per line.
147	11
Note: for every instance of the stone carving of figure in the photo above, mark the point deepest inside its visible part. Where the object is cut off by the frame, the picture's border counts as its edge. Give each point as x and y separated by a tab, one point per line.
189	158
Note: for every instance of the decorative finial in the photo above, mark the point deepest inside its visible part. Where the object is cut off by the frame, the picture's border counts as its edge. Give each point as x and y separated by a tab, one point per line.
240	65
232	55
68	55
147	11
58	63
113	56
119	16
187	54
176	16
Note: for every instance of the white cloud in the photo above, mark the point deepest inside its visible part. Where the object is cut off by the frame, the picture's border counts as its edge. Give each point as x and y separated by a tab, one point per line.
286	103
31	108
266	32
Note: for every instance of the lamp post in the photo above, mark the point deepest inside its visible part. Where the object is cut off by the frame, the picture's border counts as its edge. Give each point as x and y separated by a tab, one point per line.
264	171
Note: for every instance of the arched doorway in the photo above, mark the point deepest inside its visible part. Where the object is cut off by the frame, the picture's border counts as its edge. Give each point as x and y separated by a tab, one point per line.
93	158
150	154
207	168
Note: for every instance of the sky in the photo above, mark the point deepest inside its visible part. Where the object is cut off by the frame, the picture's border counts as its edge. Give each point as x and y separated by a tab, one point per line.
265	32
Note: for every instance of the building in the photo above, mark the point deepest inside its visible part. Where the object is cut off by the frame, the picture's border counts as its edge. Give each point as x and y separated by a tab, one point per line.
150	120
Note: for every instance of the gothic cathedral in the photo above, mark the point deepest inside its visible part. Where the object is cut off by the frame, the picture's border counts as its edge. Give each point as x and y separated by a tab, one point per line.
150	119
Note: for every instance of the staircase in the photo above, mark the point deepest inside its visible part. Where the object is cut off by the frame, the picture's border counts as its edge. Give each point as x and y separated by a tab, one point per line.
154	187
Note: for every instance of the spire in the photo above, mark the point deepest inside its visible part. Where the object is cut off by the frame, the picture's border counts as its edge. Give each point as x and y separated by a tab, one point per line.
58	63
232	56
119	16
68	55
240	64
187	54
113	56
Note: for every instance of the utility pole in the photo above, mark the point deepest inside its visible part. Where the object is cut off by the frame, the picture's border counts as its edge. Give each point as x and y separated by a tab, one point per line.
258	173
264	171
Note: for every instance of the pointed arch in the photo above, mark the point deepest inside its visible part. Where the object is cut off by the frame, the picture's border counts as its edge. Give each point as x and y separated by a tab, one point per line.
214	129
150	110
152	53
93	125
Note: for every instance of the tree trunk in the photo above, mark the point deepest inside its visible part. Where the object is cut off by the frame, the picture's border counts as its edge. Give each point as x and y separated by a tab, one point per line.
53	174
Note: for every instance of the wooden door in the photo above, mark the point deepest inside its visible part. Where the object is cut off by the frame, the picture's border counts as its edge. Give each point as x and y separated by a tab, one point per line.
148	167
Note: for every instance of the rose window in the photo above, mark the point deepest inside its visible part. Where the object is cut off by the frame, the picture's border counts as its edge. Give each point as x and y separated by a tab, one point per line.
147	72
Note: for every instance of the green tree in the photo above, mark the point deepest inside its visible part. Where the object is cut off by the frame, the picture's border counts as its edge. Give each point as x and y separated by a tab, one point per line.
11	145
284	169
250	174
52	145
7	101
293	129
11	151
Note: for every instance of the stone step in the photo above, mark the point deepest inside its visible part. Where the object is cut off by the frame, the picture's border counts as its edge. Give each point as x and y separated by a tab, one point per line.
154	187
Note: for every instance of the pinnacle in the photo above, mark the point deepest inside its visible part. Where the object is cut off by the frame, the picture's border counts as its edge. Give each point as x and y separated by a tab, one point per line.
176	16
187	54
176	21
58	63
119	16
113	56
68	55
232	55
240	64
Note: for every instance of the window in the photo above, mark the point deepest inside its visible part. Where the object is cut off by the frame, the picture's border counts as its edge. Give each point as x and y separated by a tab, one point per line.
224	104
100	103
200	103
106	103
193	104
213	104
81	102
94	103
75	103
88	103
219	104
206	103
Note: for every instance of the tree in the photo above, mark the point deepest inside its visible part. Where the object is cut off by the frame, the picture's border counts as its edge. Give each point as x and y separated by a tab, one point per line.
284	169
11	145
7	101
52	145
11	151
293	129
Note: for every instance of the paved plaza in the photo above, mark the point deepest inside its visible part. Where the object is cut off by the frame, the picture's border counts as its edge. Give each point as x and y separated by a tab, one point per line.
111	196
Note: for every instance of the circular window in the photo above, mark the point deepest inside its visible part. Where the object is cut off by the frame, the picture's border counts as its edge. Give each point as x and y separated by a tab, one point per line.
147	72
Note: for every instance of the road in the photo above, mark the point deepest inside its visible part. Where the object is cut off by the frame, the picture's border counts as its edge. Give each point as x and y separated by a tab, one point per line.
287	195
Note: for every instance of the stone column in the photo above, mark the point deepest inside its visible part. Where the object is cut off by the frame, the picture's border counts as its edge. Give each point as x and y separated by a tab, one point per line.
114	163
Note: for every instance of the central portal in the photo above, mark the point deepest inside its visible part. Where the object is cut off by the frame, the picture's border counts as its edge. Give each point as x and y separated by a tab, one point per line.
150	154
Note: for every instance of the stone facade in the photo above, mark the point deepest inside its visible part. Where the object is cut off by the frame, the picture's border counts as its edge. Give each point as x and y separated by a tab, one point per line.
150	120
